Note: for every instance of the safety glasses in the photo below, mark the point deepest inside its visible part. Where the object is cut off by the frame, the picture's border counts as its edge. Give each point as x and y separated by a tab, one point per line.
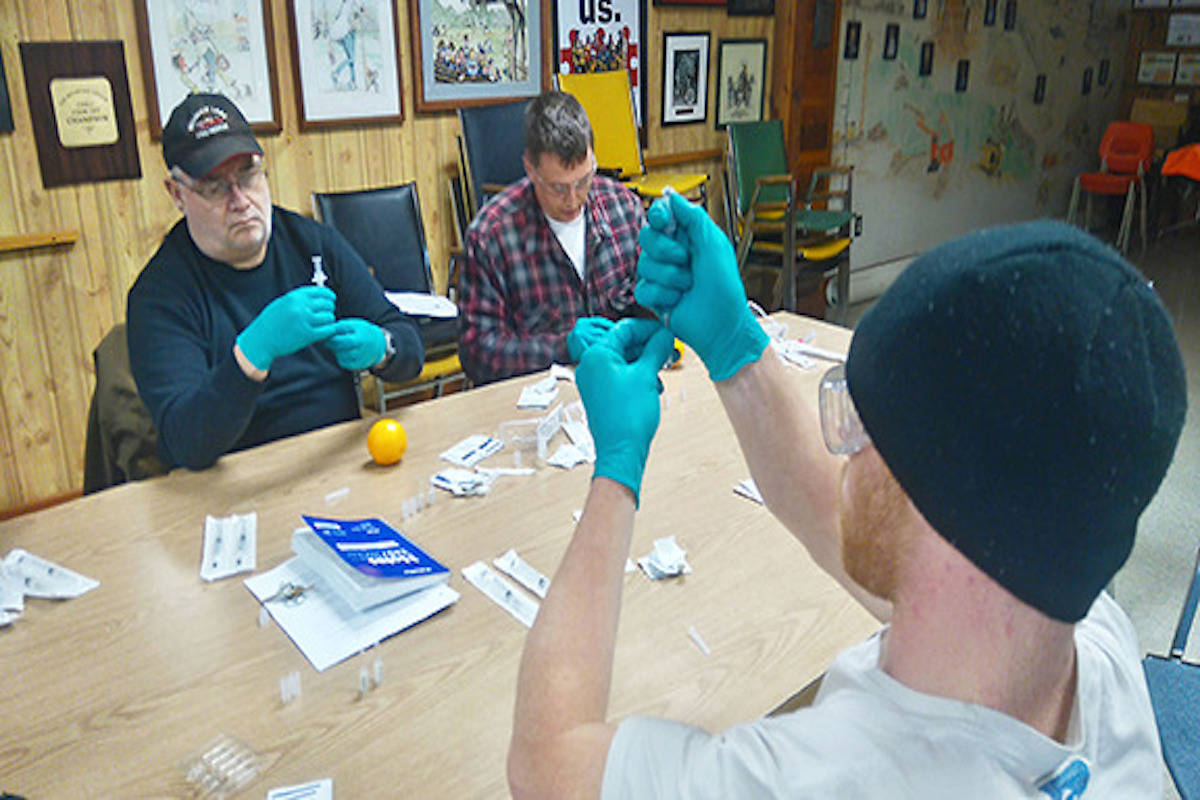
843	430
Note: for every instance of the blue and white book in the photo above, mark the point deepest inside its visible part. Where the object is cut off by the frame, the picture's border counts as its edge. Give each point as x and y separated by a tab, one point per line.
365	561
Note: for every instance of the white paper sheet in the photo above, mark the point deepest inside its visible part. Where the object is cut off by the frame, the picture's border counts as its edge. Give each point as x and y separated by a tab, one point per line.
325	628
423	304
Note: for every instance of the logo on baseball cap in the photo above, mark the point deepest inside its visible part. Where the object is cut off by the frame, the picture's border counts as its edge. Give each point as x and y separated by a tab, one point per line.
204	132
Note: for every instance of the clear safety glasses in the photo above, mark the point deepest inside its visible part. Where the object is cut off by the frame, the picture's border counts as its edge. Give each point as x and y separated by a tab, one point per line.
843	430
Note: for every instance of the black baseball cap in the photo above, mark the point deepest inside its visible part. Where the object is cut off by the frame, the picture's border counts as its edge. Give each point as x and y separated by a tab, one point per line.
204	132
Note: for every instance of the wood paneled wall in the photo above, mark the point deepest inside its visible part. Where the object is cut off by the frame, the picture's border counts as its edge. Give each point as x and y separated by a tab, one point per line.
56	303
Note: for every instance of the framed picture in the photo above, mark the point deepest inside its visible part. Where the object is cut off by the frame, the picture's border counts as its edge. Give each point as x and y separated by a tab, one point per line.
891	41
1086	86
925	68
689	2
1010	14
587	41
685	78
346	59
750	8
989	13
1102	75
920	9
6	120
1188	71
219	46
474	53
962	75
853	35
741	77
1156	66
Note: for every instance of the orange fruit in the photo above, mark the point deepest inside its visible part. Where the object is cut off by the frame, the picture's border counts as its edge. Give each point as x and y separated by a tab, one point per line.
386	442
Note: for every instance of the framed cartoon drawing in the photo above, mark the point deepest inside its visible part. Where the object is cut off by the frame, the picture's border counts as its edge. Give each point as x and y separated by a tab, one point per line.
473	53
685	78
219	46
346	60
741	78
597	36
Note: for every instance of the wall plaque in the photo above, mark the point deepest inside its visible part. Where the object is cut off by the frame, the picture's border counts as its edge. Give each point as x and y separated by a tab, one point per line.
82	118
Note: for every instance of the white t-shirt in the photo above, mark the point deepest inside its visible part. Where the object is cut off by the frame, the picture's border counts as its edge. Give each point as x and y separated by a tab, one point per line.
869	736
571	236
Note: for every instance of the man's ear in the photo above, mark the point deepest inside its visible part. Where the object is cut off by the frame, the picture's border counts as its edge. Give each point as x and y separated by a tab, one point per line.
529	168
176	194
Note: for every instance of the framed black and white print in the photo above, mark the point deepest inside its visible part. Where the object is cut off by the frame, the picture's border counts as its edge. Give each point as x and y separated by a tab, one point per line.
685	78
920	9
962	75
926	67
741	79
891	41
6	120
853	35
989	13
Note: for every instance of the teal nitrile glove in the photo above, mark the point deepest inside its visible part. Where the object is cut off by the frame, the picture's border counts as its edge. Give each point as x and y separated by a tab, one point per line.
687	274
289	323
587	332
618	382
357	344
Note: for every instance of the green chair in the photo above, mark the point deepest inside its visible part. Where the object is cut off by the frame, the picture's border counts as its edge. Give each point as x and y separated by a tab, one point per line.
771	227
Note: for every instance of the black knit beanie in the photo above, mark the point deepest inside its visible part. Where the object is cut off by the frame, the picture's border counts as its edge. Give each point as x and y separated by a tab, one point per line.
1024	385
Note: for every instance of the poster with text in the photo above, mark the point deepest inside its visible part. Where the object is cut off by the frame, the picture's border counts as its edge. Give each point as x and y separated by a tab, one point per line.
603	35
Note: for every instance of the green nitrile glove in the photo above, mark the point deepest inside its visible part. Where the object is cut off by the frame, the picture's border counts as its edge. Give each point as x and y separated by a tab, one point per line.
288	323
587	331
688	275
357	344
618	382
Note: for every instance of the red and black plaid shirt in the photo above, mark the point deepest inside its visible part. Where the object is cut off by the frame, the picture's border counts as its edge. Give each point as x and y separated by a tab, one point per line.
519	293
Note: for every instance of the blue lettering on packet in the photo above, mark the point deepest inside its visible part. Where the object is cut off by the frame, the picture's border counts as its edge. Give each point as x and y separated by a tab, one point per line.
1068	781
373	547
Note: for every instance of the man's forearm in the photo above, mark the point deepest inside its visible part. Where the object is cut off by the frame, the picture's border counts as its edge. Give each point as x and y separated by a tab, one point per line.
779	432
560	735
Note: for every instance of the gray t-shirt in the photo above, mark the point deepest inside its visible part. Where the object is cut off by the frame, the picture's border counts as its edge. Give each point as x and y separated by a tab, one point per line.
869	736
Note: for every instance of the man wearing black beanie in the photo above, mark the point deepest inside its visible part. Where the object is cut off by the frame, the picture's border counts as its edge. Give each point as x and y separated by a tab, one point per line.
973	474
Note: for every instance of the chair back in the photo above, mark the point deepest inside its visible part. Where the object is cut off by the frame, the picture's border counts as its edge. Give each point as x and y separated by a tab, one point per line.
492	143
1175	694
384	226
1127	147
607	97
756	150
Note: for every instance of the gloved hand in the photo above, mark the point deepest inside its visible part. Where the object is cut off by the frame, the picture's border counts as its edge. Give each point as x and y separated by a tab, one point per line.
587	331
289	323
687	274
618	382
357	344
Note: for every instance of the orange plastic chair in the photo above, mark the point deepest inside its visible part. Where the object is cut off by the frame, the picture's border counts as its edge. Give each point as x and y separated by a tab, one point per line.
1125	153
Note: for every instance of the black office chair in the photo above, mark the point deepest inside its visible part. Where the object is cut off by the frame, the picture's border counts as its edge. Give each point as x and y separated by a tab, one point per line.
1175	694
490	148
384	225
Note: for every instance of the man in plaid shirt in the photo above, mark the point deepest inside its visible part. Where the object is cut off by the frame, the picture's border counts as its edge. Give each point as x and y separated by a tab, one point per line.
552	260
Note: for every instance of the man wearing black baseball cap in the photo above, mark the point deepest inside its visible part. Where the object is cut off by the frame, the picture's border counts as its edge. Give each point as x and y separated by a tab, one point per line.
249	322
974	473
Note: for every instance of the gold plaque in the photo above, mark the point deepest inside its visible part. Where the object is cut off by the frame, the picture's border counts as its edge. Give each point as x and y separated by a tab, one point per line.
84	111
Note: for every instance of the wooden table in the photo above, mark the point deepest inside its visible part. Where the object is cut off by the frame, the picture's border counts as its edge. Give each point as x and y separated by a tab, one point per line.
109	694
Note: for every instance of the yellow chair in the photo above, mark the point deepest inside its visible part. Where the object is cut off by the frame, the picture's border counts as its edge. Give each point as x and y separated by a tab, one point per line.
608	100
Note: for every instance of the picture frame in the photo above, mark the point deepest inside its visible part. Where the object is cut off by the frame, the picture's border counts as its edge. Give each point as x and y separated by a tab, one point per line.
920	9
741	81
469	54
1187	72
925	67
223	46
689	2
1086	85
685	78
585	41
1156	67
750	8
962	75
891	41
989	13
6	118
346	62
853	35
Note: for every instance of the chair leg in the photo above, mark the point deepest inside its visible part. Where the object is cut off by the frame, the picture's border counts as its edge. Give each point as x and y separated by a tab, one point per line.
1125	231
843	289
1073	206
